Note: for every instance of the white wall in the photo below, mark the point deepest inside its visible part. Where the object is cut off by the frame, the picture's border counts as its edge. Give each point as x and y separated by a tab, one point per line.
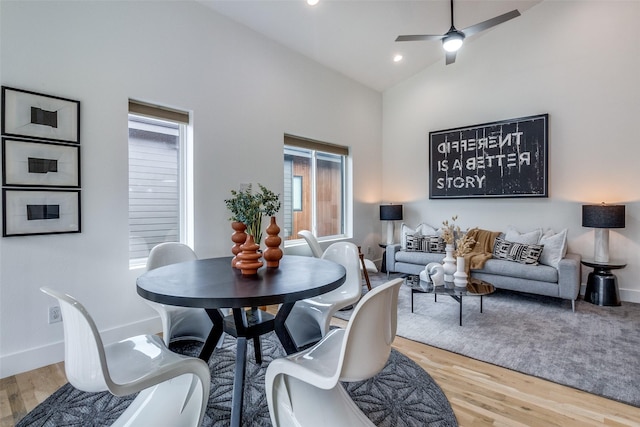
244	92
577	61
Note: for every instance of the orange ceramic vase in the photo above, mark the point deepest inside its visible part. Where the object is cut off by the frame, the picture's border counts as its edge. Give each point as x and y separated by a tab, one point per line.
249	258
273	254
238	238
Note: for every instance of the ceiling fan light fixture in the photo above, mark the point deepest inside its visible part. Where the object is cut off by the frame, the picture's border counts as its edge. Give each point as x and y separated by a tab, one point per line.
452	41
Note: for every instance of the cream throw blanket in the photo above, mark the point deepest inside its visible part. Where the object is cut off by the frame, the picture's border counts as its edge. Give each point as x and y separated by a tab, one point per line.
482	250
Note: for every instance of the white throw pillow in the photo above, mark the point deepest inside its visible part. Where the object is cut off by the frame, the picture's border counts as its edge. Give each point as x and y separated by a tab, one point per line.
555	247
404	231
427	230
530	238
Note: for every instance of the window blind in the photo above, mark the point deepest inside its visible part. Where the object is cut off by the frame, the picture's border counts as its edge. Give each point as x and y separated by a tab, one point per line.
310	144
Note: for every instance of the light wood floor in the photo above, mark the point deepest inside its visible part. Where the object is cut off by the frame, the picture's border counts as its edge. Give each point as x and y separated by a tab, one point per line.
480	394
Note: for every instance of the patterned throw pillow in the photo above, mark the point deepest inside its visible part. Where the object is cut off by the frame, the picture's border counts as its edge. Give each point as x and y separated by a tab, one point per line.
518	252
417	243
435	244
413	243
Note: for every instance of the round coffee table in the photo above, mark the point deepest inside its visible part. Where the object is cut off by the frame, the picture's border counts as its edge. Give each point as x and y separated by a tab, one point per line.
475	287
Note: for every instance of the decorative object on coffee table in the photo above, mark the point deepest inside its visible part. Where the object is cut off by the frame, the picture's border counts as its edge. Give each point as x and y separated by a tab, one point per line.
602	217
449	263
460	276
449	231
390	213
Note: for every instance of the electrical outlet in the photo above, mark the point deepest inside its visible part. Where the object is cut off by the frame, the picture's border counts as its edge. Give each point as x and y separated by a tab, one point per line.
55	314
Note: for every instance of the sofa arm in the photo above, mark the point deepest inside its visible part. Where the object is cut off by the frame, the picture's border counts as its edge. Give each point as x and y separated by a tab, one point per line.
390	255
569	276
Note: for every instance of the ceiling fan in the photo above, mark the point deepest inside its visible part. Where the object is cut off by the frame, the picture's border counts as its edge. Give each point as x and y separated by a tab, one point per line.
452	39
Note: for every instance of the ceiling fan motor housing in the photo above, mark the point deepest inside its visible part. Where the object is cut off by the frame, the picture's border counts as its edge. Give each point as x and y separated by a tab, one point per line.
452	41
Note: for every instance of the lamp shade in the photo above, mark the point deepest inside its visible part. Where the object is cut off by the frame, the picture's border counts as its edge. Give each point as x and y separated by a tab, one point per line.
603	216
390	212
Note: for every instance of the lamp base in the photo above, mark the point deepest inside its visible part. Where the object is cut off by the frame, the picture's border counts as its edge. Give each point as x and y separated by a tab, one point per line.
389	232
601	253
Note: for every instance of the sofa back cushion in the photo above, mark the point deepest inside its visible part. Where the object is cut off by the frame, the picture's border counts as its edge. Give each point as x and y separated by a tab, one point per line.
528	238
555	247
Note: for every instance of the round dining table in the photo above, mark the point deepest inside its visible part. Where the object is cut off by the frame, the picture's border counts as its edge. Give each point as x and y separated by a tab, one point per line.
213	284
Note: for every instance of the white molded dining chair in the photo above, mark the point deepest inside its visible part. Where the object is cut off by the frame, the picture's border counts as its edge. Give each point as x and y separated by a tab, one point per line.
173	389
178	323
310	318
316	250
304	389
313	243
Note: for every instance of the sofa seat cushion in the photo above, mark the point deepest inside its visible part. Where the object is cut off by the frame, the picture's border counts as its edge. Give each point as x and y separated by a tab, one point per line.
543	273
420	258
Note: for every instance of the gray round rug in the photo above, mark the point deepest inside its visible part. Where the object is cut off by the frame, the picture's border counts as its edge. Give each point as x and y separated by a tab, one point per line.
402	394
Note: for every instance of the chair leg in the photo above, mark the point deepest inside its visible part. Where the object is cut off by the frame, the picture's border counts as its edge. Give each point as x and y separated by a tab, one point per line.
364	268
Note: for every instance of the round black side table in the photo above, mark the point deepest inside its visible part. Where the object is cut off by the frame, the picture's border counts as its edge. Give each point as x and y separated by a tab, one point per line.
602	285
383	264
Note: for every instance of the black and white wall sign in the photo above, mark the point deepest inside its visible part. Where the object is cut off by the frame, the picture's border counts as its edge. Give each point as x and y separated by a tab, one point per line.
500	159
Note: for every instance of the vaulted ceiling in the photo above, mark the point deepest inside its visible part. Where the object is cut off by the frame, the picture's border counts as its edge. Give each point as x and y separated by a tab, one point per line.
357	37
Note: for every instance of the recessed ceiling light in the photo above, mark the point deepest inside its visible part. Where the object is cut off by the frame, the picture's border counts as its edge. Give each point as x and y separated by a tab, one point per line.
397	58
312	2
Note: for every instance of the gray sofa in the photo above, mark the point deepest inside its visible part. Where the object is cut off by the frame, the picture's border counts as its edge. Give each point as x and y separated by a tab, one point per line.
563	282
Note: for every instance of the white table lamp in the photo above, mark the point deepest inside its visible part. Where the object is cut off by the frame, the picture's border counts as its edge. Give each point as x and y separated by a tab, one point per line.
390	213
602	217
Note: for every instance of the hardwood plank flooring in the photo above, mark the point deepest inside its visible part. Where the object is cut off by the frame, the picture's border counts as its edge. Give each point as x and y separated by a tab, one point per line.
480	394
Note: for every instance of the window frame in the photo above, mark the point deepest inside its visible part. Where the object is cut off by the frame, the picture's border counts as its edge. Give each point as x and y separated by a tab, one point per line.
314	147
184	165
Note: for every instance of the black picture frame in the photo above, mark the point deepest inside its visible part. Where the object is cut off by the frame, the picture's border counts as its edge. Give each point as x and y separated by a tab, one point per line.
34	212
506	158
32	163
27	114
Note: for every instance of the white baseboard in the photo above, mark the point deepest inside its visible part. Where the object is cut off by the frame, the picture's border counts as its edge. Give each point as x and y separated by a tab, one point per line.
630	295
27	360
626	295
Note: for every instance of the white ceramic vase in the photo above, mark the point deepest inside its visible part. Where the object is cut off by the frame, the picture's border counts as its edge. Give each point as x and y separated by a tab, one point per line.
449	264
460	276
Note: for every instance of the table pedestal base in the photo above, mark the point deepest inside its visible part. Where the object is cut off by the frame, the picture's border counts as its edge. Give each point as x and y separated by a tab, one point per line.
602	289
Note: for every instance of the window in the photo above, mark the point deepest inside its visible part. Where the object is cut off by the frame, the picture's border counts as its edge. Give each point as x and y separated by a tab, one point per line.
158	179
314	188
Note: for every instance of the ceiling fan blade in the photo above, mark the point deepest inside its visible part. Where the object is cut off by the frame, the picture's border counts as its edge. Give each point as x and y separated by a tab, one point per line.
490	23
450	58
418	38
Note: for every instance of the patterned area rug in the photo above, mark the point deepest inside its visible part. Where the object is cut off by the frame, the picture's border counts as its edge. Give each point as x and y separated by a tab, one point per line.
596	349
402	394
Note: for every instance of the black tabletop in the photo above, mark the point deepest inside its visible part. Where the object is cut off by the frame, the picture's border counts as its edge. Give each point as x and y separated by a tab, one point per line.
610	265
213	283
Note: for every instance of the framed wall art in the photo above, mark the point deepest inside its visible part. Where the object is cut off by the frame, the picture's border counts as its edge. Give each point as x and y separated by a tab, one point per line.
39	164
26	212
507	158
38	116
